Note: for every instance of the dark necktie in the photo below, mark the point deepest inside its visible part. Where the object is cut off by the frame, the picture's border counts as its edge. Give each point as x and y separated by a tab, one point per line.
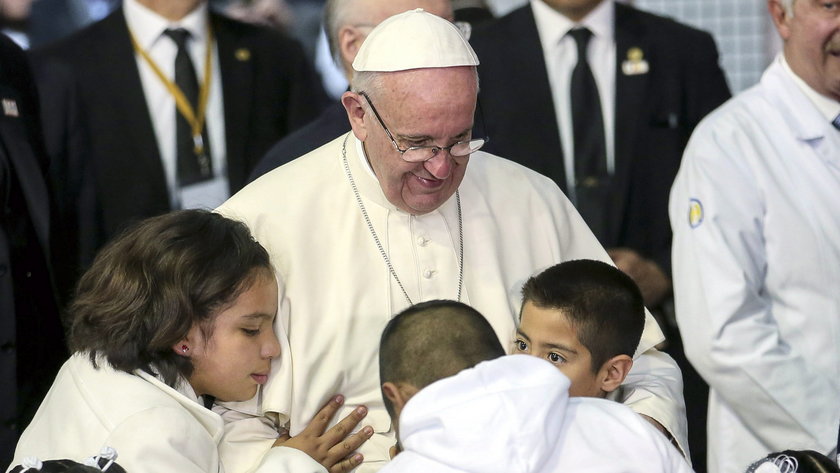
591	177
192	167
836	122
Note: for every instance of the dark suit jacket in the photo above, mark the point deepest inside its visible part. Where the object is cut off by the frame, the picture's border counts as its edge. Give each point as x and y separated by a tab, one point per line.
332	123
267	93
655	113
31	336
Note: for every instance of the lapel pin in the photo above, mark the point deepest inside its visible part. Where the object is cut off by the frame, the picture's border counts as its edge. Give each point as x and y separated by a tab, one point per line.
635	63
242	54
10	108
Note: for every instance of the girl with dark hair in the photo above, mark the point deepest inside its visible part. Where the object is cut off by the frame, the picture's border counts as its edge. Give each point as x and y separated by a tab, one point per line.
173	314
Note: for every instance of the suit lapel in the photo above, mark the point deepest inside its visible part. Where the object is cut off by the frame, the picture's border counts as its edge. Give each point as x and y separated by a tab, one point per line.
117	68
236	65
630	107
537	87
25	164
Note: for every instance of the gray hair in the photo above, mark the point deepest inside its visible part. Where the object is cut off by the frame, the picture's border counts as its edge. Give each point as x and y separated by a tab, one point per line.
369	82
335	16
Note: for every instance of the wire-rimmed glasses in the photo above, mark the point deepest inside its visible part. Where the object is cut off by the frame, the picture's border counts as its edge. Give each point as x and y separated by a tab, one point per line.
420	154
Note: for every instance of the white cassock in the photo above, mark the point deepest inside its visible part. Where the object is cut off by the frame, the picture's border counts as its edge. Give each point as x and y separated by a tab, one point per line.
514	415
755	211
337	293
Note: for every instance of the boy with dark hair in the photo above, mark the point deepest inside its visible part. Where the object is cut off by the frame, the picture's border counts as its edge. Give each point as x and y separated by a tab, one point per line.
586	317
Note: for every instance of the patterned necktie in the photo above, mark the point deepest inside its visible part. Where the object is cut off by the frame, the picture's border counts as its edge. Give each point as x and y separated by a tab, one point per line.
193	167
591	177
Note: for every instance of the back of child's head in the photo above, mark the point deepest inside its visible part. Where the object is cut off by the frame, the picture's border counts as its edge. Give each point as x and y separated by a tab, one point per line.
149	286
602	303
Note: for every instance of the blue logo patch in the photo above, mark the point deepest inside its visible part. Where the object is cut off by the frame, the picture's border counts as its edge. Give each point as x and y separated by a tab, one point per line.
695	213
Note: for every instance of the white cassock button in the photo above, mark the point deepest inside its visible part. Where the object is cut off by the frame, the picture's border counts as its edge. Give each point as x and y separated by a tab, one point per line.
428	273
422	241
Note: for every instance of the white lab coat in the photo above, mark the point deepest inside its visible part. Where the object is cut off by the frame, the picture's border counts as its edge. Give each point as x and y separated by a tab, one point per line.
757	272
514	415
337	294
153	427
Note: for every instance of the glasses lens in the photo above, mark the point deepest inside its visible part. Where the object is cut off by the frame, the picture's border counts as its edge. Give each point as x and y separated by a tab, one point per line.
424	153
419	154
466	147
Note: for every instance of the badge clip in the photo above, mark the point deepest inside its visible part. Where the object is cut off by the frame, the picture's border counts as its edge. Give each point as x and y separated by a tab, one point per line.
10	108
635	64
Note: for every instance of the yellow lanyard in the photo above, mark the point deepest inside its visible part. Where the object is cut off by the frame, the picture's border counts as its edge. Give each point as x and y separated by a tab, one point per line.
196	121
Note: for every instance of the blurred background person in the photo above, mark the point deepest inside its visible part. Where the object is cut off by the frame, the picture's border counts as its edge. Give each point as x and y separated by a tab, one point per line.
32	342
179	104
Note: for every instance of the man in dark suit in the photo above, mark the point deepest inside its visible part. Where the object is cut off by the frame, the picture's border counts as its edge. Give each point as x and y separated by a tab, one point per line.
32	345
655	80
665	78
255	85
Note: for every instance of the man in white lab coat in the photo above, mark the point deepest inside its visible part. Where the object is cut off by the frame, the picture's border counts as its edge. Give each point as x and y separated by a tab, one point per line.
755	211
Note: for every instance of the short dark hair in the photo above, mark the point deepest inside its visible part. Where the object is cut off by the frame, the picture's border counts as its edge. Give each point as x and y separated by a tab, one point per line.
602	303
155	281
434	340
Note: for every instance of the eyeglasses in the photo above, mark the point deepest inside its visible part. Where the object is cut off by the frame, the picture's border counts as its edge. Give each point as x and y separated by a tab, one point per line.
421	154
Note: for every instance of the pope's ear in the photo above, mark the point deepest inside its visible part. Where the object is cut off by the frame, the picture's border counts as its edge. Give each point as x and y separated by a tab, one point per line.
355	113
613	372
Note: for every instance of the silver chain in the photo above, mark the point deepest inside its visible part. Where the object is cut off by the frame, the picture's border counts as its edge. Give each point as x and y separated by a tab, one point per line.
379	244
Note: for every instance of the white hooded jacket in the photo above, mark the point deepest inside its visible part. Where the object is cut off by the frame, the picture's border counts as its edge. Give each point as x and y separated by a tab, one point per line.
514	415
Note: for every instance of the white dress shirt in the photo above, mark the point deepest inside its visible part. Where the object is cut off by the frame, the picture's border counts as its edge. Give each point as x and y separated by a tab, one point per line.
560	52
148	28
828	107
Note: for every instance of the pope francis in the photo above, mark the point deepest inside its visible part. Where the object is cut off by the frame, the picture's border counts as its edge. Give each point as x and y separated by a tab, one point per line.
404	209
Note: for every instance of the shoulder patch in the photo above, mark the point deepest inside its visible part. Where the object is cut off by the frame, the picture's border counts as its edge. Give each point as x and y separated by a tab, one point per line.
695	213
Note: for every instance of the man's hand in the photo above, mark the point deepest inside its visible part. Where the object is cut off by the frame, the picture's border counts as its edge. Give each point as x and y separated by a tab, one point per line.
332	448
652	281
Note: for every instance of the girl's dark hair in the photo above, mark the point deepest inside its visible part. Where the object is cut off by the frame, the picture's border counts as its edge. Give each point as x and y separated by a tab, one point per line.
154	282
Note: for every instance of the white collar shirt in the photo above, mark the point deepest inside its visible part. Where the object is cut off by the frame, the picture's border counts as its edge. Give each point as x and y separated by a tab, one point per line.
829	108
560	54
148	28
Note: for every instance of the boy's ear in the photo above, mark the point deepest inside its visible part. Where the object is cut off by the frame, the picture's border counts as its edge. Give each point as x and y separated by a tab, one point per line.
613	372
399	394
